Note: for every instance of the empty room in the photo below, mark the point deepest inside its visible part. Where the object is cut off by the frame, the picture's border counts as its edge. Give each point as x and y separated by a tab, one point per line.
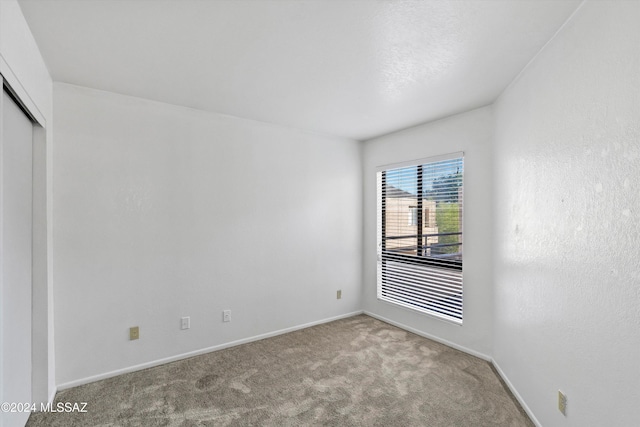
320	212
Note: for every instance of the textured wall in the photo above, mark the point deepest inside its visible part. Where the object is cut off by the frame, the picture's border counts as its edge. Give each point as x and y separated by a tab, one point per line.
469	132
163	212
567	161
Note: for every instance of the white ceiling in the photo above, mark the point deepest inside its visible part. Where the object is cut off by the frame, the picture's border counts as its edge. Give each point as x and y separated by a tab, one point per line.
351	68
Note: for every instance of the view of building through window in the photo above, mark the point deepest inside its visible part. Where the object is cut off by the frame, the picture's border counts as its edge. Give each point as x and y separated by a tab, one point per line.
435	230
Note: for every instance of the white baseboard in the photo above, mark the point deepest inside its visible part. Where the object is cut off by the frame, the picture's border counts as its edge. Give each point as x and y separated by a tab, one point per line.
159	362
53	394
469	351
187	355
431	337
516	394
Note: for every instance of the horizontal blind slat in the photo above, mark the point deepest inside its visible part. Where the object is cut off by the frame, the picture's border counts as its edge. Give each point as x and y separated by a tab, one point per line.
451	304
435	281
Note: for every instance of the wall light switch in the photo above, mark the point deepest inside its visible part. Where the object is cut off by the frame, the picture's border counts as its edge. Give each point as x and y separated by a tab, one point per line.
226	316
185	323
339	294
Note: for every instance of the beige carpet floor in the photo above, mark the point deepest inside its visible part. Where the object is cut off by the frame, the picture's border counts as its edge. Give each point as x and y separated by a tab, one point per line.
352	372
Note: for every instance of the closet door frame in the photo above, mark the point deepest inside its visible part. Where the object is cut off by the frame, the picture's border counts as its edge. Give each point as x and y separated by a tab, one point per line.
42	374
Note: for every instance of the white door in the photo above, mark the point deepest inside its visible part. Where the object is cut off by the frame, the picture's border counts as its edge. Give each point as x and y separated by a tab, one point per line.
15	251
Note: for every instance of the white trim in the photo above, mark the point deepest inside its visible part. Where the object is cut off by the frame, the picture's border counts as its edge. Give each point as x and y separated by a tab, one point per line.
14	83
182	356
468	351
53	395
431	337
1	242
433	159
187	355
515	393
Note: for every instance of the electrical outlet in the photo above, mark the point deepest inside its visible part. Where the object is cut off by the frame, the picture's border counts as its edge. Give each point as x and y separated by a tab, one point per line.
185	323
339	294
134	333
562	402
226	316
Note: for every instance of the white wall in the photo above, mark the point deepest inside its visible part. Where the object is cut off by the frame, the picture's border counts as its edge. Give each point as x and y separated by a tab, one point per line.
567	202
163	212
23	68
469	132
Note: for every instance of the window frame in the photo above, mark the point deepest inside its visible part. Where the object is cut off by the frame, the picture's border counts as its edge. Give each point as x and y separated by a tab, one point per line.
433	265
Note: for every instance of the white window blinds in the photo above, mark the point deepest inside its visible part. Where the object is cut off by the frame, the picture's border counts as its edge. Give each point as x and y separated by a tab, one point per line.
420	260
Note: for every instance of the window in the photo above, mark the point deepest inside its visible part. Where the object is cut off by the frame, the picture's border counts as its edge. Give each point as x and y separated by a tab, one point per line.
420	260
413	215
